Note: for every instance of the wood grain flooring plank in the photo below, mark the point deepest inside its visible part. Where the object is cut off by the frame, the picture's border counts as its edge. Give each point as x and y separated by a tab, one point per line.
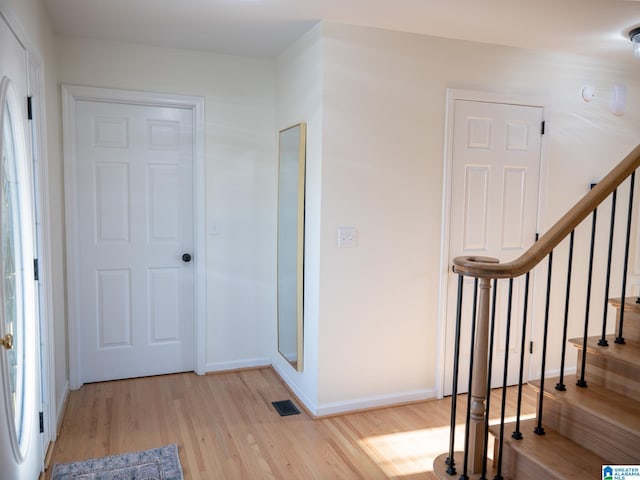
226	428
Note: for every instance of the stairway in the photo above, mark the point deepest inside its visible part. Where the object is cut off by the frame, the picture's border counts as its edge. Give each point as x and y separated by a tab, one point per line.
585	428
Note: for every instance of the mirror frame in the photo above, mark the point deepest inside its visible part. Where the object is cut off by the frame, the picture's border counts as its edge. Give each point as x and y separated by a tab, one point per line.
299	262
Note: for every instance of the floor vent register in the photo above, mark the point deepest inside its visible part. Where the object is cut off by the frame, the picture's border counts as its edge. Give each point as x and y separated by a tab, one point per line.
285	407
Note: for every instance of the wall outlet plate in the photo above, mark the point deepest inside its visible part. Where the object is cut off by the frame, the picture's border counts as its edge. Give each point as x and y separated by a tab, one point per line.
347	237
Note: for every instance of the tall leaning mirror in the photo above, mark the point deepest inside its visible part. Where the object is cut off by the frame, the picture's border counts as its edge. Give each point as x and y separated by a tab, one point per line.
291	177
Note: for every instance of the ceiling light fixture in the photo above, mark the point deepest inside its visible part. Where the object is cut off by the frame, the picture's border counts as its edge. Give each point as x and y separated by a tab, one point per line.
634	36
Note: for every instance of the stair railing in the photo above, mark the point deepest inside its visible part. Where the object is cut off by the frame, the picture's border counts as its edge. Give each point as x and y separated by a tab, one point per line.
487	272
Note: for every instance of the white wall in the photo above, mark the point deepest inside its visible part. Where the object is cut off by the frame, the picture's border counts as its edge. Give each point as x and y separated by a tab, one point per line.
382	172
299	99
240	177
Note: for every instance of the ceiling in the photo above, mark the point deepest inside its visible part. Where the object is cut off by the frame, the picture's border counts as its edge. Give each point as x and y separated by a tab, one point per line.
264	28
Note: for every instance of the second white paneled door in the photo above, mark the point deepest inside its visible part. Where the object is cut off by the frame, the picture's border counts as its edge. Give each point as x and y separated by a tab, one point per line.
494	189
135	231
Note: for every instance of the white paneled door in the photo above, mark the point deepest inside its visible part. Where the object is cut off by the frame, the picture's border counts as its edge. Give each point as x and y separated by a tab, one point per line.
135	230
494	201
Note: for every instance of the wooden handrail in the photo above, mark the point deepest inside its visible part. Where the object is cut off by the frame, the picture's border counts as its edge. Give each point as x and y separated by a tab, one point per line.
479	267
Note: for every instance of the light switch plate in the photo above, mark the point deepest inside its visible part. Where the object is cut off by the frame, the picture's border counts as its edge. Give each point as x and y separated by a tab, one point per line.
215	227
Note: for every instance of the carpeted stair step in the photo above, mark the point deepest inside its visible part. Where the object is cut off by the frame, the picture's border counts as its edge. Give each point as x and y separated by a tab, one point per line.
598	419
616	367
550	456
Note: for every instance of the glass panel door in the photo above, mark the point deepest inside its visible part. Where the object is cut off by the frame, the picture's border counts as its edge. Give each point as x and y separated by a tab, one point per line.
18	322
20	439
12	268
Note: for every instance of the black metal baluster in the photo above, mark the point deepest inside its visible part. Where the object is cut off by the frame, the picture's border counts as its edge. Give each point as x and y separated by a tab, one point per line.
464	475
489	372
582	382
539	430
450	461
560	385
505	377
619	337
603	339
517	434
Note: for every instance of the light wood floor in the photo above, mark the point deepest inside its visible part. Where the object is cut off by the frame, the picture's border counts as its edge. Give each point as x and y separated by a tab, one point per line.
226	428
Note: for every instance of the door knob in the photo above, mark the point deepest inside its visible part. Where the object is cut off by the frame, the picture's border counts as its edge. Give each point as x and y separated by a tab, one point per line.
186	257
7	341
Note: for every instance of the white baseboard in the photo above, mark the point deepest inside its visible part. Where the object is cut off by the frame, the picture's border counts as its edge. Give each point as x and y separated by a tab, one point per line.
61	405
286	372
376	401
556	372
238	365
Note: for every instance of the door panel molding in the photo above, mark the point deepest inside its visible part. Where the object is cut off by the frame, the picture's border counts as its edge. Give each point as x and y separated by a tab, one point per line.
453	95
71	94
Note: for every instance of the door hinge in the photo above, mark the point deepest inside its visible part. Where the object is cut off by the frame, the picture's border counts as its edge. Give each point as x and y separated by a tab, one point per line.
542	127
29	109
531	348
36	275
41	422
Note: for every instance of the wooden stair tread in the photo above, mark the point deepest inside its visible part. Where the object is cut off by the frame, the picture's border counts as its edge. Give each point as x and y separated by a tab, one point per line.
596	417
552	452
628	353
616	409
629	303
440	469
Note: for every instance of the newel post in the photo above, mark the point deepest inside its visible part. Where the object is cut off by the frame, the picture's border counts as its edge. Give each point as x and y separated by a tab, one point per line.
477	423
